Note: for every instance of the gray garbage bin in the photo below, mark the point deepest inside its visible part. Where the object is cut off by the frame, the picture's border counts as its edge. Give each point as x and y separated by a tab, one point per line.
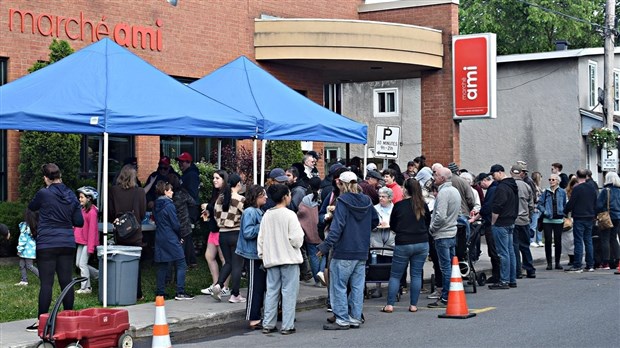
123	267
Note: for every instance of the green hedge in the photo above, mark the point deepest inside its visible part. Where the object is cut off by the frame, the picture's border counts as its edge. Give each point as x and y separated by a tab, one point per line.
11	214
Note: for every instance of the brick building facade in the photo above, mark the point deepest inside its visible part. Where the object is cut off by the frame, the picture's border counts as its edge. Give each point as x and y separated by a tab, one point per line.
196	37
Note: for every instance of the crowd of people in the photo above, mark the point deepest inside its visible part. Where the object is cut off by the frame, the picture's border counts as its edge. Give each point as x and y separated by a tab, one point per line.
301	228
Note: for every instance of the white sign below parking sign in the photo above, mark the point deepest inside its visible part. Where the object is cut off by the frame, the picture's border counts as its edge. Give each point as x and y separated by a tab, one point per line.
387	141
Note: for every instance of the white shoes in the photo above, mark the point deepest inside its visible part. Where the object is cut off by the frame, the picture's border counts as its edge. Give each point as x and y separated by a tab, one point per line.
321	277
22	283
435	294
209	291
237	299
541	244
84	291
533	245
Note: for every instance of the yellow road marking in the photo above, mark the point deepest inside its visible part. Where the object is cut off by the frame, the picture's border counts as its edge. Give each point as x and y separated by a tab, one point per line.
482	310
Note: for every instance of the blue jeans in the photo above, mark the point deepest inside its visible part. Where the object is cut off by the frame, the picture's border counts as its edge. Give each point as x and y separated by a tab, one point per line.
348	310
535	235
316	264
582	234
413	255
464	221
446	250
506	252
283	279
162	271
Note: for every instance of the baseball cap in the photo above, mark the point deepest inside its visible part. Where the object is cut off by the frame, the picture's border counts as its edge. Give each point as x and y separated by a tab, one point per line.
522	165
496	168
375	174
278	175
371	166
185	157
348	177
164	161
482	176
515	169
334	167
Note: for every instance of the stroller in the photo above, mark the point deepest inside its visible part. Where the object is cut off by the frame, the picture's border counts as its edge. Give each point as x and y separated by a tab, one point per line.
468	253
377	272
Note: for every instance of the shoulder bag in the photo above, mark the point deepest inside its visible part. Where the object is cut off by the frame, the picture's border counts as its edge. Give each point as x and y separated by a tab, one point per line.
603	220
126	225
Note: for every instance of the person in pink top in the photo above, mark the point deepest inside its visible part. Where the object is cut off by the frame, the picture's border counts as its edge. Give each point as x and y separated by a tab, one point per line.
87	237
389	176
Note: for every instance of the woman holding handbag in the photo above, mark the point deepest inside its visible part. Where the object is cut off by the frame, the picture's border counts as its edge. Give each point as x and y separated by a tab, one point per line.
609	200
551	206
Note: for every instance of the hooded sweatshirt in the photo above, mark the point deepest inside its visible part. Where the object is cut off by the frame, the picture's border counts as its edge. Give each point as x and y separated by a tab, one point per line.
167	239
349	232
59	210
506	202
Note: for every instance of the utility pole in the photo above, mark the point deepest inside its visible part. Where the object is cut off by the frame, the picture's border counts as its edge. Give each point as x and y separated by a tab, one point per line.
609	32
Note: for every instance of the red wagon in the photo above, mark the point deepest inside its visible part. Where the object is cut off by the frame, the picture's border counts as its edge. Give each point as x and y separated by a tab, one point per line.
91	327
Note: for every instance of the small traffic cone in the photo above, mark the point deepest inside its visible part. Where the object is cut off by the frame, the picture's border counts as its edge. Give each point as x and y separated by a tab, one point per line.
161	334
457	306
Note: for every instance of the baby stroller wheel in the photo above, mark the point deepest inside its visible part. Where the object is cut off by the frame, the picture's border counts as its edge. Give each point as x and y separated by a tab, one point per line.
45	344
125	341
482	279
472	278
74	345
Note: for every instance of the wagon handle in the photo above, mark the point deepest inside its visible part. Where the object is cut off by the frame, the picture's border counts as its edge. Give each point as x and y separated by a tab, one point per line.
50	325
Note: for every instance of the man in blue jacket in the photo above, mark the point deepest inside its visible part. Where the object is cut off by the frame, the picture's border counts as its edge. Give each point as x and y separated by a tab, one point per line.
349	238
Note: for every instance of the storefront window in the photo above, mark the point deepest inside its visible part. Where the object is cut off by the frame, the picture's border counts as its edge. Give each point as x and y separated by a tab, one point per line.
119	148
201	149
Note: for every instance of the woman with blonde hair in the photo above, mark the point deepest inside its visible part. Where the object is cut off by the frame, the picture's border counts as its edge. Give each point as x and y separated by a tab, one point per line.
551	205
127	196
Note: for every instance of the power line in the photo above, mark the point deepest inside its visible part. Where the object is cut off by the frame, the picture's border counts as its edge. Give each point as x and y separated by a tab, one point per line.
563	14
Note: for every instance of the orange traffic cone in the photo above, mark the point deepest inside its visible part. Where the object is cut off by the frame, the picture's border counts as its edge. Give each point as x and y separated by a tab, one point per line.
457	306
161	334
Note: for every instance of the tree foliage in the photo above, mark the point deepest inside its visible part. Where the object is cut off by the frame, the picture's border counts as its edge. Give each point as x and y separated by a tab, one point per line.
523	28
38	148
284	153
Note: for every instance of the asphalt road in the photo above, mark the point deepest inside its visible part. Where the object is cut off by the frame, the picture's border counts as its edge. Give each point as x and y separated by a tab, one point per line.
554	310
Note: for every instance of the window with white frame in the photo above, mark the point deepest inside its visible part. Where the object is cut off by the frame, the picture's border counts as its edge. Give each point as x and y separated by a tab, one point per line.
386	102
616	92
592	95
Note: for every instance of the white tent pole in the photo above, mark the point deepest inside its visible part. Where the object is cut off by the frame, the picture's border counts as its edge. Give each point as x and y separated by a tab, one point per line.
365	160
105	219
255	161
99	159
219	153
262	162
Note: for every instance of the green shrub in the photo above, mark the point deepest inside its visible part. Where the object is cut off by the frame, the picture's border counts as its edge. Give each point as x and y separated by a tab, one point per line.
11	214
283	153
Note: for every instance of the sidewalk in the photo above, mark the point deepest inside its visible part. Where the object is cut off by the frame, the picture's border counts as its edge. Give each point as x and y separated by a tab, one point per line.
206	314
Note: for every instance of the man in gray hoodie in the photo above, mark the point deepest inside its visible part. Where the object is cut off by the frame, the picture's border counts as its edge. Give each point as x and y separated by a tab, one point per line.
521	234
443	228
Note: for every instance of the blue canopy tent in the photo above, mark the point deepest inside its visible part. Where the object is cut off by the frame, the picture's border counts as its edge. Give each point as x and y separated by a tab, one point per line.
283	113
104	88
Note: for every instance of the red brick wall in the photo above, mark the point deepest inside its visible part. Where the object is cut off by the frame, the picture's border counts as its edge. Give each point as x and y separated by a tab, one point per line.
440	134
198	36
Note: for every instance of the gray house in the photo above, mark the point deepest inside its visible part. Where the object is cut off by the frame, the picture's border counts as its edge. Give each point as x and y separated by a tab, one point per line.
546	105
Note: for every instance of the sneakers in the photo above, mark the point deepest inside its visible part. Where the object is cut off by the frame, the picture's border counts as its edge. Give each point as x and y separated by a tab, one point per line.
288	331
438	304
23	283
183	297
237	299
434	295
33	328
216	290
590	269
541	244
499	286
603	266
84	291
534	245
225	292
321	277
574	270
335	326
512	285
207	291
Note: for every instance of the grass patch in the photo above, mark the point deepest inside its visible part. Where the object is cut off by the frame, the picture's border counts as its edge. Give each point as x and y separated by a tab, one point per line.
21	302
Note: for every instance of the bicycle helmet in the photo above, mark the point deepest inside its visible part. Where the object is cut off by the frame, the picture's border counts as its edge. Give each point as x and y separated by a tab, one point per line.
89	191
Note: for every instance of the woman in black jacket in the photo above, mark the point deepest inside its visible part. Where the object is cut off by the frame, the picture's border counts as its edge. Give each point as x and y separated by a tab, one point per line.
409	220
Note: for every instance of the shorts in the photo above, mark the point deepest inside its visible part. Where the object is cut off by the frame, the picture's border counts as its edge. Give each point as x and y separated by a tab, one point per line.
214	238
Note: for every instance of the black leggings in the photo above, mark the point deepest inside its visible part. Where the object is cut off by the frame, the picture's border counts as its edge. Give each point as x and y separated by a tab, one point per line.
52	261
556	229
233	263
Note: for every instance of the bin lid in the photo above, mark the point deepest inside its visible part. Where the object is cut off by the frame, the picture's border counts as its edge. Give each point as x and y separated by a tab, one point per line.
120	250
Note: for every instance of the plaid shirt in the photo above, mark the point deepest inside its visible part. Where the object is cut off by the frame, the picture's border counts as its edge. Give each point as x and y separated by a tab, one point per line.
229	220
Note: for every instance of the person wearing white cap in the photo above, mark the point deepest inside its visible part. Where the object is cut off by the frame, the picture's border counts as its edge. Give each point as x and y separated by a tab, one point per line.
349	237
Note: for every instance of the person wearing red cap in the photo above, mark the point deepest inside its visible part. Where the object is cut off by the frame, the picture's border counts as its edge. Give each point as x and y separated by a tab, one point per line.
190	176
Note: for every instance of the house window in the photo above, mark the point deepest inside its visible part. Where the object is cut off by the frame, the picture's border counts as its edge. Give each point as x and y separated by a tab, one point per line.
593	98
386	102
616	92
